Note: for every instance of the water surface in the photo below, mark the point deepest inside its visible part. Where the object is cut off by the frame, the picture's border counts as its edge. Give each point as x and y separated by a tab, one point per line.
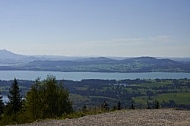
32	75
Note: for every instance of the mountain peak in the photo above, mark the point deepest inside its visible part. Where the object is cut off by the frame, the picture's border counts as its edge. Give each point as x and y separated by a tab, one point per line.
5	54
4	51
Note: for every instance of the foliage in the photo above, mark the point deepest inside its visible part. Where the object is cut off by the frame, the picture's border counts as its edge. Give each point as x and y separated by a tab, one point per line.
14	106
156	104
137	93
88	111
15	99
105	106
93	92
132	106
47	99
1	105
119	105
18	118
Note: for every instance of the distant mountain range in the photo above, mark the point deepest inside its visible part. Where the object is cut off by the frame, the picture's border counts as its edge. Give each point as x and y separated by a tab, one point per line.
9	58
11	61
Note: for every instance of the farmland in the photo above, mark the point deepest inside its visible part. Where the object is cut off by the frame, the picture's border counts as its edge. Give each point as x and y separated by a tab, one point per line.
140	92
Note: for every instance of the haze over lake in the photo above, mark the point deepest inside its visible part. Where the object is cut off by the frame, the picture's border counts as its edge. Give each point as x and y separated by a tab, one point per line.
32	75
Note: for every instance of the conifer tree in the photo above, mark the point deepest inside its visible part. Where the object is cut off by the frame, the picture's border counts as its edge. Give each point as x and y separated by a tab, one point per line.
119	105
84	109
15	99
156	104
1	104
105	105
132	106
148	105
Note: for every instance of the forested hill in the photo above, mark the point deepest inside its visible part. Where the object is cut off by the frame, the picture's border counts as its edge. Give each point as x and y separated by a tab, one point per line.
103	64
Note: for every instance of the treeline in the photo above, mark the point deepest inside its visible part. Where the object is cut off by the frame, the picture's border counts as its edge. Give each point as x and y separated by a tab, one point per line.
45	99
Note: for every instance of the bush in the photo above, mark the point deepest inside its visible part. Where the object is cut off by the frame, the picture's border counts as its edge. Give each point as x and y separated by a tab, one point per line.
48	99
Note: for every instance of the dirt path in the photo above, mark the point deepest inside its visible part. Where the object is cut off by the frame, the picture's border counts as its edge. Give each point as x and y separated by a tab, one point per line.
159	117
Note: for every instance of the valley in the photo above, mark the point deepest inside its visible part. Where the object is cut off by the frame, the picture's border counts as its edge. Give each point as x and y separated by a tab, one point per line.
171	93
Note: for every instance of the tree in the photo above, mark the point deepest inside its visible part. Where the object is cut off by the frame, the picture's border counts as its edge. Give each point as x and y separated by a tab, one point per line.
15	99
84	109
34	100
156	104
1	104
132	106
105	105
119	105
148	105
48	99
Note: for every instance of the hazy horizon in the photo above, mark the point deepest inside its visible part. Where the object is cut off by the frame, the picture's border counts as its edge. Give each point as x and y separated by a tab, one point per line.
89	56
108	28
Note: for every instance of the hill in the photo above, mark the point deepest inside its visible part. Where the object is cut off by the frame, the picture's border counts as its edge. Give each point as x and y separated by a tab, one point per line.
11	61
103	64
8	58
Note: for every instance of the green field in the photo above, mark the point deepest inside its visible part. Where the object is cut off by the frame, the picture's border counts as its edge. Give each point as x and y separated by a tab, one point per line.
179	98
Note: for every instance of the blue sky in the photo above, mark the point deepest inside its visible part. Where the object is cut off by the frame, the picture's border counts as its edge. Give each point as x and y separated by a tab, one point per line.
126	28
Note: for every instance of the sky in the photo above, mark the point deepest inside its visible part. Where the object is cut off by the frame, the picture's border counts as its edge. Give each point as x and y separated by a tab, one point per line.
121	28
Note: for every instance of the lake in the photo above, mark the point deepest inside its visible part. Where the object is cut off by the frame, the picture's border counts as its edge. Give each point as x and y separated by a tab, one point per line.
32	75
